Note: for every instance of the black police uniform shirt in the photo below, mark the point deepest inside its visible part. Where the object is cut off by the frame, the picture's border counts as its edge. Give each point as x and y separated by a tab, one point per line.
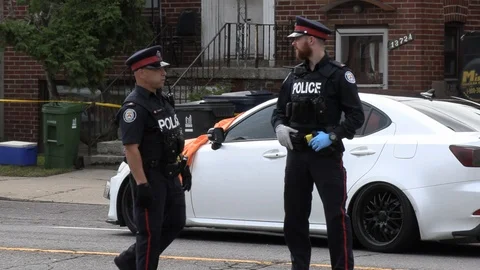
136	120
340	93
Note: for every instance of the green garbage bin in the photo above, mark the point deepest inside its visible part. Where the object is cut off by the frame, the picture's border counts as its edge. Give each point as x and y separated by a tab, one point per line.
61	133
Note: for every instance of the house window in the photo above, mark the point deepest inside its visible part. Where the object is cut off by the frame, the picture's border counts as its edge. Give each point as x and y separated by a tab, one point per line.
451	50
364	50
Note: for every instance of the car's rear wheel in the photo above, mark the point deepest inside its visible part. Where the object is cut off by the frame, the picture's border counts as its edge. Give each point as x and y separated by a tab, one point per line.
127	208
383	219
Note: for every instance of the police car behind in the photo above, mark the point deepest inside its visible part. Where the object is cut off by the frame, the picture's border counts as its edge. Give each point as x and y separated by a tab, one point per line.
413	173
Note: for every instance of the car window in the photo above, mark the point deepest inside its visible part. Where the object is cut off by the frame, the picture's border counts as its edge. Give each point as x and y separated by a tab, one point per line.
256	127
456	116
366	112
374	121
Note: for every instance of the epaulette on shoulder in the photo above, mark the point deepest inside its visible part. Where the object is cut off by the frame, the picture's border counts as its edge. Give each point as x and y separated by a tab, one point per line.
293	67
130	104
337	64
299	65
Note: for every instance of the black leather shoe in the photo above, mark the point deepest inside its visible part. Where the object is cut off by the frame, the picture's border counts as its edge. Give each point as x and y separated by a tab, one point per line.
122	264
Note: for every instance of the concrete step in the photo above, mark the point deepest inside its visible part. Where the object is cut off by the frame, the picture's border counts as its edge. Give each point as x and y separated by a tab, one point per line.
102	160
114	148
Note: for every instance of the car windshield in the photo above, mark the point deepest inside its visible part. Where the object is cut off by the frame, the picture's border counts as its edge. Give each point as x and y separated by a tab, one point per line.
456	115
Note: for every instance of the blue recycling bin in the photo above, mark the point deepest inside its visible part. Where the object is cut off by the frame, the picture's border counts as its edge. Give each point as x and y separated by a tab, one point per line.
18	153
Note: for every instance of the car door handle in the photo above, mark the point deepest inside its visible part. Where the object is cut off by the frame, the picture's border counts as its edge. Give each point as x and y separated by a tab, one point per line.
274	154
362	151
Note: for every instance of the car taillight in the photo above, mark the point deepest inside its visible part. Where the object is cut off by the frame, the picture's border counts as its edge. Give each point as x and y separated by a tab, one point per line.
469	156
477	213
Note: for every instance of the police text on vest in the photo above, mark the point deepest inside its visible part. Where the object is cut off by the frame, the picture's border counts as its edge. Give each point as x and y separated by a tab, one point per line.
169	123
307	88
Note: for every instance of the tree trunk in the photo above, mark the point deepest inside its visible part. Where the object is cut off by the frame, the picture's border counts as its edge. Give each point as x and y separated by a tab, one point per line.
52	86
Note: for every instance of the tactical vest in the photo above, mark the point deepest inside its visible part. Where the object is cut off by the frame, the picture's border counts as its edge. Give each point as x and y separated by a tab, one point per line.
164	142
307	109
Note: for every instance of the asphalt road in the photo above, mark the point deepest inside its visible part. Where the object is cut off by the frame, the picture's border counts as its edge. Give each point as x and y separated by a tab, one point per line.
54	236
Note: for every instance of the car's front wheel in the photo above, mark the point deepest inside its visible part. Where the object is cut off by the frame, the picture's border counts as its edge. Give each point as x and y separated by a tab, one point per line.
127	207
383	219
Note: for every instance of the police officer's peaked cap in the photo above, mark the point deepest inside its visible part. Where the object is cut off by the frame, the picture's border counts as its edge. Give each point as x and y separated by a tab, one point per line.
305	26
150	58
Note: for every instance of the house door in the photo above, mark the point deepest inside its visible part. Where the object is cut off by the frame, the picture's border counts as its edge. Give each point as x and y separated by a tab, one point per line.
248	20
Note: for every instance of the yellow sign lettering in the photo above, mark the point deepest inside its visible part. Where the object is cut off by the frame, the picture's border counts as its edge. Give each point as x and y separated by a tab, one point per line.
469	76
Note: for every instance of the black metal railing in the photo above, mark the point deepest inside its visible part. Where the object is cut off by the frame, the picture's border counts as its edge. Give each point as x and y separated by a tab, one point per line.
202	70
234	45
259	45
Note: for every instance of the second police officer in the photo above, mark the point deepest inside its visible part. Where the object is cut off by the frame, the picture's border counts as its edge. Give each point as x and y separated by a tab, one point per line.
307	122
153	144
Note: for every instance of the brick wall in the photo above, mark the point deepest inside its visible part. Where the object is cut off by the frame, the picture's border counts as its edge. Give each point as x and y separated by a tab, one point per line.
171	10
473	15
23	76
412	67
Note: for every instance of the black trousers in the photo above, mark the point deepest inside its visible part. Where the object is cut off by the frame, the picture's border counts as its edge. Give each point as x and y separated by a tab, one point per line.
158	225
303	170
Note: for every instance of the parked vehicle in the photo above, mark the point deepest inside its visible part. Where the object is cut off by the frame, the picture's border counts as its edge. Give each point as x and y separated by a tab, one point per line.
413	174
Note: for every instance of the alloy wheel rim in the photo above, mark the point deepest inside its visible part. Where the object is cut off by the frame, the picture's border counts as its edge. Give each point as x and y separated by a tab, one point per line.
382	217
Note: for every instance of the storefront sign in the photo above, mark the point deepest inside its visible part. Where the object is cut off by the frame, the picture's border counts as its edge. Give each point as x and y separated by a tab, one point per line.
393	44
470	83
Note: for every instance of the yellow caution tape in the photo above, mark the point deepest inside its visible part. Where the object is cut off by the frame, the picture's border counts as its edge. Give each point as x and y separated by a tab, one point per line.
102	104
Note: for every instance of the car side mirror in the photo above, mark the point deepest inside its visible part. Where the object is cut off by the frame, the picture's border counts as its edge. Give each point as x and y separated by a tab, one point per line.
217	136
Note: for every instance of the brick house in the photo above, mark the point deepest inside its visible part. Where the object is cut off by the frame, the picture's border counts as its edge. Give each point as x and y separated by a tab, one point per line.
393	46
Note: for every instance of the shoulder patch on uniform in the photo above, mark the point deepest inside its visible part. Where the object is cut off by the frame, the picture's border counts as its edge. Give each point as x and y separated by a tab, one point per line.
350	77
336	63
129	115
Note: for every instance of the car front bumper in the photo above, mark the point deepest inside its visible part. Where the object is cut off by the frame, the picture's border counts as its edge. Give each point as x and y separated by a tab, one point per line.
106	190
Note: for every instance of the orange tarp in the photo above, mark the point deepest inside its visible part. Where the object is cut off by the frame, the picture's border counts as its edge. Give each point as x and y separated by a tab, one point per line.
191	146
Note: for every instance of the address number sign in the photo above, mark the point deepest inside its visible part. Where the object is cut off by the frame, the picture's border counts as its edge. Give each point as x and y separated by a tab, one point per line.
393	44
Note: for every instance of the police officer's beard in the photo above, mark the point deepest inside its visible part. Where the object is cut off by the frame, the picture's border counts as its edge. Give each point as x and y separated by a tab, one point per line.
304	53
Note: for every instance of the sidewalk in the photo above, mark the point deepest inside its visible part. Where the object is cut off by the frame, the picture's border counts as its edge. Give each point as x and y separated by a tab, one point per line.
82	186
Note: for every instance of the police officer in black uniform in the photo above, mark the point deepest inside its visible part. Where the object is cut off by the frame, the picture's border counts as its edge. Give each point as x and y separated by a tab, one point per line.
307	123
153	143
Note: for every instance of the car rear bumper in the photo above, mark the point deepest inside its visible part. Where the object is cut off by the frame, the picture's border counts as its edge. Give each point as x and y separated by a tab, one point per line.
446	212
473	233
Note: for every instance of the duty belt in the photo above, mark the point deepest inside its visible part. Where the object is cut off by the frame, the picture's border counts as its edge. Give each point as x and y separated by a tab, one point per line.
168	169
300	143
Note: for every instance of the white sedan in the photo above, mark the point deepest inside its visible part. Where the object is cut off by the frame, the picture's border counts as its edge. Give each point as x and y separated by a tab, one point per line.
413	174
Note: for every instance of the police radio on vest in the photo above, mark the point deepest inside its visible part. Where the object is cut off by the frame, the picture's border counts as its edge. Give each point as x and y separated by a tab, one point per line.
307	88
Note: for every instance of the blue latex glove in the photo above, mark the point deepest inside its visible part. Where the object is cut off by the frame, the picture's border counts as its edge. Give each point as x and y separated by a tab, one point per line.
320	141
